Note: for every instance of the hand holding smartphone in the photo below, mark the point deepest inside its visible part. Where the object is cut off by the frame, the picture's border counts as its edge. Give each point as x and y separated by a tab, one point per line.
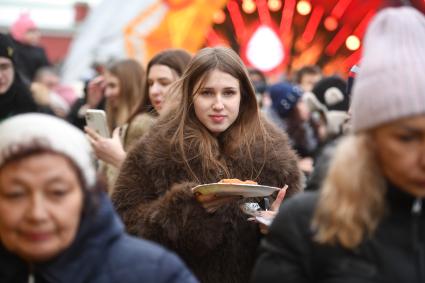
96	120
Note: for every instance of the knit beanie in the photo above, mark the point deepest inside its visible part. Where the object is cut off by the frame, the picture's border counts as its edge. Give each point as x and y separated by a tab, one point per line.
23	130
284	97
21	27
7	48
390	84
331	92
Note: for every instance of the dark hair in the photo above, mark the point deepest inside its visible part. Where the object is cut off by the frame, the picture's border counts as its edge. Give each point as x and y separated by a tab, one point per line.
306	70
254	71
187	134
19	152
176	60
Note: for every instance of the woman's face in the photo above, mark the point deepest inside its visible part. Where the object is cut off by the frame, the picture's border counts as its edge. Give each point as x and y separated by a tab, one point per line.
160	77
217	101
7	74
112	89
41	202
400	149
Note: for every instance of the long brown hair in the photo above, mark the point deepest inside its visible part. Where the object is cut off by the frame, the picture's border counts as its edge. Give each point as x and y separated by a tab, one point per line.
131	76
176	60
351	201
190	139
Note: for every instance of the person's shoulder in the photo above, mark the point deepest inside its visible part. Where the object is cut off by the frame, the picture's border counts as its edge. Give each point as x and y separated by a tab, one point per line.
298	209
133	248
303	202
134	260
138	127
144	117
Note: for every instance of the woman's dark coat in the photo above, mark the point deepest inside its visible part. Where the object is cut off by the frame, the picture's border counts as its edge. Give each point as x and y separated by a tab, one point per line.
101	253
153	196
395	253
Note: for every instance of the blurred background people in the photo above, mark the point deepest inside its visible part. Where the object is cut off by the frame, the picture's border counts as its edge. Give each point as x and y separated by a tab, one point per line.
15	98
49	77
332	92
329	103
366	224
162	70
290	113
123	91
307	76
259	81
29	55
50	93
93	98
56	224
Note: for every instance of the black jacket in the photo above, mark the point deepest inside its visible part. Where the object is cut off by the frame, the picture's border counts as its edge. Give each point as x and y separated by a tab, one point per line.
16	100
101	253
29	59
394	253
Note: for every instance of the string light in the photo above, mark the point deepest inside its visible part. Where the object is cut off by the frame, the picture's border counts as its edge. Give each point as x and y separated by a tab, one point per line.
248	6
331	23
303	7
274	5
352	42
219	17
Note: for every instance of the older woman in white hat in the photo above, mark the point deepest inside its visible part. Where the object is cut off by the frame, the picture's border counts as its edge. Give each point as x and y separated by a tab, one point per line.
56	224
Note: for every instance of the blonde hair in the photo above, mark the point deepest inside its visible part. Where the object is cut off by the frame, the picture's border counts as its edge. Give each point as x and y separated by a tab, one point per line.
351	201
131	76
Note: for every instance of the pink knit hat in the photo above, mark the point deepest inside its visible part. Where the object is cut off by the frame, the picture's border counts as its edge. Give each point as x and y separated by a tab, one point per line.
391	81
21	26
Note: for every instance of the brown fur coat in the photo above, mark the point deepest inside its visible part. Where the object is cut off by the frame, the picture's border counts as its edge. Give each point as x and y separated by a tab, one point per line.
153	196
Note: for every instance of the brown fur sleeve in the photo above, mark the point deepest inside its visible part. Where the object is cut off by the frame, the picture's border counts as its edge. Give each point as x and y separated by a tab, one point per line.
166	213
178	221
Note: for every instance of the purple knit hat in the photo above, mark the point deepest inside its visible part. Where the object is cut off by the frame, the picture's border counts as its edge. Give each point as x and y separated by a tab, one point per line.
390	84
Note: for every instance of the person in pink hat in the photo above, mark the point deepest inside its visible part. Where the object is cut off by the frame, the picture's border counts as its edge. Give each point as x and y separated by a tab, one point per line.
30	56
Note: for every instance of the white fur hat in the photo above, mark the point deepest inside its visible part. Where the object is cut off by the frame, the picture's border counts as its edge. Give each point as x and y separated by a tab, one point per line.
56	134
390	84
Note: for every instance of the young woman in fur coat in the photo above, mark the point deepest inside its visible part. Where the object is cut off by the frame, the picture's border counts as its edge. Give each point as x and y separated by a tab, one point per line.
216	132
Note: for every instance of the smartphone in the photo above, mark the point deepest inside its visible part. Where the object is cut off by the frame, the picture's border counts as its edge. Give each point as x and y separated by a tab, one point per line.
96	120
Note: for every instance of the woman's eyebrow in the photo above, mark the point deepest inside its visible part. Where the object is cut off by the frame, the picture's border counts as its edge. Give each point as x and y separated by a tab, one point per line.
411	129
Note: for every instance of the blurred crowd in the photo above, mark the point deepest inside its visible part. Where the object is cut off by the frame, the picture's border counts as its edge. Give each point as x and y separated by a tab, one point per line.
345	154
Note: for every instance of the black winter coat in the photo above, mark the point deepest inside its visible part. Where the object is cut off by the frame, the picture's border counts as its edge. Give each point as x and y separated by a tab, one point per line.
101	253
16	100
29	59
394	253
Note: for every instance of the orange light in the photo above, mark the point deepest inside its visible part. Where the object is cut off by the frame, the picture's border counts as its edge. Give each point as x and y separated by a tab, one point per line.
331	23
248	6
219	17
274	5
303	7
352	42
